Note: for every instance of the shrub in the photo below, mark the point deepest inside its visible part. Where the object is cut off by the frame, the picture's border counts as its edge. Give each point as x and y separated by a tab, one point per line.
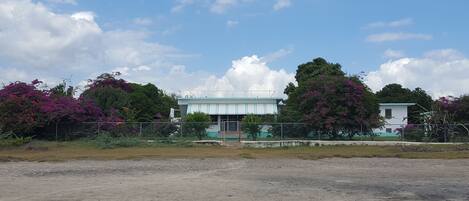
10	139
196	123
251	124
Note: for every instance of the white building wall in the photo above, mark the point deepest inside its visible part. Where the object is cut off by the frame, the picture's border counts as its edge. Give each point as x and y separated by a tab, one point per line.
398	118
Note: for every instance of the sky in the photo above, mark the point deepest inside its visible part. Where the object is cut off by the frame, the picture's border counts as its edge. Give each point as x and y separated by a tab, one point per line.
201	46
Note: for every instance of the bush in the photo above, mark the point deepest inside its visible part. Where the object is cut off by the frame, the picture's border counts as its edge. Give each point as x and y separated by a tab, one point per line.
196	123
251	124
413	133
10	139
105	141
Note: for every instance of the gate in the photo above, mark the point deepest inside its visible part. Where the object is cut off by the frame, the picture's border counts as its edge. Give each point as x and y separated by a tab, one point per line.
230	130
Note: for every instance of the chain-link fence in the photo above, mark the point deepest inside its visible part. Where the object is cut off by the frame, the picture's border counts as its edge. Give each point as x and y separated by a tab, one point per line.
237	131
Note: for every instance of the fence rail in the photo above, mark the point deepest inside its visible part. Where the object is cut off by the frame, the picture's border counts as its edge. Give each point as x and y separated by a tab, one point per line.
235	130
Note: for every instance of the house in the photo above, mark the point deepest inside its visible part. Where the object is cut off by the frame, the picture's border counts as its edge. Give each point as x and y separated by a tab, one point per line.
227	112
395	118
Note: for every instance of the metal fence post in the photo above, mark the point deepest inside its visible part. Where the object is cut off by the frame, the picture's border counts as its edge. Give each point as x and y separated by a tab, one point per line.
403	133
140	130
98	127
281	134
181	128
56	131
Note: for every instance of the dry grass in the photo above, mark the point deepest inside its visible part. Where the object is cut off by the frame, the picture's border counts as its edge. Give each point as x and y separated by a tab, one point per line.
50	151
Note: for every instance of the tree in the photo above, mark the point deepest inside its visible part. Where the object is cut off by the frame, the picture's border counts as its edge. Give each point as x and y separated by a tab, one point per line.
337	105
109	80
149	101
197	123
108	99
251	124
132	101
26	110
317	67
63	89
329	101
395	93
462	112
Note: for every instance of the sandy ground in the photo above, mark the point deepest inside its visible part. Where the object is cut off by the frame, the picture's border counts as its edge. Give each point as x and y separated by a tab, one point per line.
237	179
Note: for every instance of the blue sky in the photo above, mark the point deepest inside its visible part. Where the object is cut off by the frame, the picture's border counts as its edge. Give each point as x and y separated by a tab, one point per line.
204	37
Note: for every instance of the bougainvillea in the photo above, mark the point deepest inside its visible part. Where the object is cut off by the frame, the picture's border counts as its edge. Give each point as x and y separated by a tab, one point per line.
338	105
109	80
24	108
20	105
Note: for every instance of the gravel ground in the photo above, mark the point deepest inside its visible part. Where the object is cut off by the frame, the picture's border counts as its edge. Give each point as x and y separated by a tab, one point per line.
241	179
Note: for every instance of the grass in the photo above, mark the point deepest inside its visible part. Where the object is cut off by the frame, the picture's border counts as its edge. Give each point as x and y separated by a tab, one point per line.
62	151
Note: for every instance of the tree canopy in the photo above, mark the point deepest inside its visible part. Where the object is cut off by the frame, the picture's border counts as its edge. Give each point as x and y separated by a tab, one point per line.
131	101
24	109
329	101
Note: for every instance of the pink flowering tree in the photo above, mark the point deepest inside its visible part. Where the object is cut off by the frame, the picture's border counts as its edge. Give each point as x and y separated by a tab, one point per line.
338	106
20	107
26	110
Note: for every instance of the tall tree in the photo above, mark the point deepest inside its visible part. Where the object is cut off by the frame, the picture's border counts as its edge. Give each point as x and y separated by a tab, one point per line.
150	102
329	101
317	67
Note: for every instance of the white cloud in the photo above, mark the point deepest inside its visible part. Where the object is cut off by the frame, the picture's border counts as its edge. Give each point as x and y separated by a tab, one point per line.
143	21
72	2
391	24
231	23
220	6
38	43
86	16
393	54
440	72
384	37
180	5
247	76
280	4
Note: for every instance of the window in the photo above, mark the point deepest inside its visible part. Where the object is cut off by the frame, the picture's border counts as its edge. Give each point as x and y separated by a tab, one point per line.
388	130
388	113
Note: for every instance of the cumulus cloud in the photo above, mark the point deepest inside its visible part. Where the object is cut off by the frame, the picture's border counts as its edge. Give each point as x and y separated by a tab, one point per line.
393	54
248	76
440	72
391	24
384	37
280	4
38	43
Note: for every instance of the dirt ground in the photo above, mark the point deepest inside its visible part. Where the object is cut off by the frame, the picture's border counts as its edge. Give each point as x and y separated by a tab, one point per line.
237	179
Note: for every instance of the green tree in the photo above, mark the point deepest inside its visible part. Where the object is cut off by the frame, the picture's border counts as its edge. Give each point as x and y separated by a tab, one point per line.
315	68
251	124
196	124
63	89
329	101
108	99
148	101
132	101
462	114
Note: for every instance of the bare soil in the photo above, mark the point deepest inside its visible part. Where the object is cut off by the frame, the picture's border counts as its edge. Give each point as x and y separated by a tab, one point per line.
237	179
